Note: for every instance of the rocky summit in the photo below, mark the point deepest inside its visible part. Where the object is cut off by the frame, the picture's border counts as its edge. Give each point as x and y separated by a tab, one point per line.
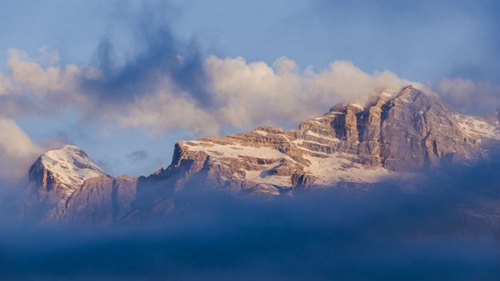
394	135
66	185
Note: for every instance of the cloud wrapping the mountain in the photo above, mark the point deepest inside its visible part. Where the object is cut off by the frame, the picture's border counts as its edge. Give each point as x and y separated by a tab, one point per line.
445	231
250	94
17	151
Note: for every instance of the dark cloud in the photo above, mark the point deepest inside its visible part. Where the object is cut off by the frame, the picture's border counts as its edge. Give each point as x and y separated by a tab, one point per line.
444	232
138	156
159	55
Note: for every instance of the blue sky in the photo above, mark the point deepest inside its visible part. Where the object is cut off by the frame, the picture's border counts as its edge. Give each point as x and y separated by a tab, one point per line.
147	73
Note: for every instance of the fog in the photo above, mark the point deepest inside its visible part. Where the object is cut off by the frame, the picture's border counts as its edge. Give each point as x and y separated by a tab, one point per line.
446	229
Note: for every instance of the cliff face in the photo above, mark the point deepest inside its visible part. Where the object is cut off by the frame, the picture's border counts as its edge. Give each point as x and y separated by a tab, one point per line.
101	200
402	132
394	135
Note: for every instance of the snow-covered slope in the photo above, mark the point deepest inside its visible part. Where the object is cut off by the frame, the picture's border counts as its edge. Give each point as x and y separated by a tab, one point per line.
71	166
263	164
67	186
54	178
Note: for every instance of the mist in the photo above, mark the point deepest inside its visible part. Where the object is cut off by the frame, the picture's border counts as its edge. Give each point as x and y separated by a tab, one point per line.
446	229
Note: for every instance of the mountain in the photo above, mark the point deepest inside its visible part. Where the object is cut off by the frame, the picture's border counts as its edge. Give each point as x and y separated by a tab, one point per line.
394	135
66	185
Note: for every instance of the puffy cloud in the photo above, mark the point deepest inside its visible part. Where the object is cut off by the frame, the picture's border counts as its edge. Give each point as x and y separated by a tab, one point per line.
346	82
17	151
41	81
165	109
164	84
43	89
6	86
252	94
233	93
470	97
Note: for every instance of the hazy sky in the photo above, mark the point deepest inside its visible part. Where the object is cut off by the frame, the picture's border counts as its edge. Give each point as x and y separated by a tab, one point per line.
124	80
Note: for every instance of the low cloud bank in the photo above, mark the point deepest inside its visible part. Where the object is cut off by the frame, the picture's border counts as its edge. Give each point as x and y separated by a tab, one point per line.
449	230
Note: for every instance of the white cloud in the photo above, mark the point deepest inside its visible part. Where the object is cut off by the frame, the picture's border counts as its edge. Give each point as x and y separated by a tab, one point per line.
253	94
17	151
245	95
346	82
165	110
6	86
52	87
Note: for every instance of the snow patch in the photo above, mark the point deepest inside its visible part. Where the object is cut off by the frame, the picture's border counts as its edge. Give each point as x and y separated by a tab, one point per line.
476	127
334	169
71	166
235	150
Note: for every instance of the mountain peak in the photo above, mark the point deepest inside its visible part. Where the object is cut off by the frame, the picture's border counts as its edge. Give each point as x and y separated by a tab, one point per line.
406	95
70	165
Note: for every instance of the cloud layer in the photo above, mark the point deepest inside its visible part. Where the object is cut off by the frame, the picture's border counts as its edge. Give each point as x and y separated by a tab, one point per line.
448	230
235	93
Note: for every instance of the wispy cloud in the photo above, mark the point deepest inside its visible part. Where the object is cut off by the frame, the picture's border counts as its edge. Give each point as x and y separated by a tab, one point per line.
470	97
138	156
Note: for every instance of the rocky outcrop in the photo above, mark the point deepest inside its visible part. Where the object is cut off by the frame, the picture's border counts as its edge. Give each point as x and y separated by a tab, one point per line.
393	135
401	132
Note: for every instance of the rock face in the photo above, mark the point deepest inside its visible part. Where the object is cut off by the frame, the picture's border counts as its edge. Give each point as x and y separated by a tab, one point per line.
393	135
101	200
390	134
65	185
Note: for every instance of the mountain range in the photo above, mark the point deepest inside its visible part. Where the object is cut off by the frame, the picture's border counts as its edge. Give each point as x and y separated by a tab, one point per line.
394	136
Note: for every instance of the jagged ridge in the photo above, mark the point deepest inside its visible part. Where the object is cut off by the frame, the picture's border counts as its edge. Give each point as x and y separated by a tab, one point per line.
393	135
